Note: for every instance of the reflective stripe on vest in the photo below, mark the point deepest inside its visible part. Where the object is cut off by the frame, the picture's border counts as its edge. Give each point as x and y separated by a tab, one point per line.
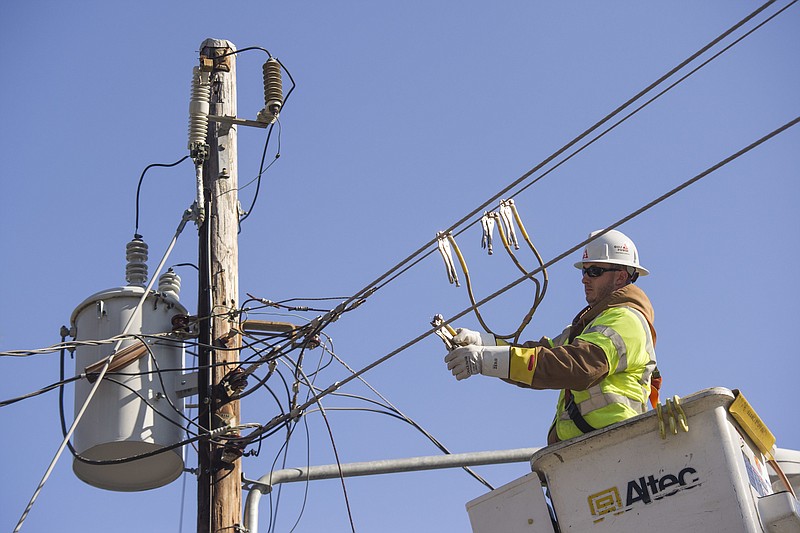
598	399
651	351
616	340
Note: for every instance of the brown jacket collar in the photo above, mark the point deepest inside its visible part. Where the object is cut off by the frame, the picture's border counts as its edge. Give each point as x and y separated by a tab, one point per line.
628	296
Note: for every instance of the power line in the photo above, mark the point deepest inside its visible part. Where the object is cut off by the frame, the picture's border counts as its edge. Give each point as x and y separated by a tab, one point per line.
654	98
141	179
632	215
425	249
334	387
418	256
262	170
317	400
402	416
48	388
370	289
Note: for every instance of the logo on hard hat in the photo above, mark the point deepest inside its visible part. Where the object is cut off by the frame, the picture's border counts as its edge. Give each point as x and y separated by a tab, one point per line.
585	254
621	248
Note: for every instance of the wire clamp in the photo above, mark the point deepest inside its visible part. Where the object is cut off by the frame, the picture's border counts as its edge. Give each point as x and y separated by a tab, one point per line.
447	255
506	213
444	331
487	222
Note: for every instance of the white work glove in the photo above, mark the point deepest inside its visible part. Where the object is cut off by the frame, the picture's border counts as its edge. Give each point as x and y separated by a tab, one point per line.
466	336
466	361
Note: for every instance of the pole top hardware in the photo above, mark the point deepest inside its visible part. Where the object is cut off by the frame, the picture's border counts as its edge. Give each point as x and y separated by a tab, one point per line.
206	64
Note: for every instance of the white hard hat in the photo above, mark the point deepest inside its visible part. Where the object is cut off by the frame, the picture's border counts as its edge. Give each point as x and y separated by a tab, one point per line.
613	247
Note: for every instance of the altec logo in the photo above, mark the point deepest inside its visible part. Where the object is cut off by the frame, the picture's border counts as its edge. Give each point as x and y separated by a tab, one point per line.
642	490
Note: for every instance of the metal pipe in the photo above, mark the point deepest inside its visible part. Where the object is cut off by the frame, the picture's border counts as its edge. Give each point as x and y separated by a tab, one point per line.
387	466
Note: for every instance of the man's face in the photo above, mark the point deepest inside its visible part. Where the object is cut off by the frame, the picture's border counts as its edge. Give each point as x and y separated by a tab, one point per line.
598	288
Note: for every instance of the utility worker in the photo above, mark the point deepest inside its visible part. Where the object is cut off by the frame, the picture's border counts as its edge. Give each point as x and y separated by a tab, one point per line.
603	362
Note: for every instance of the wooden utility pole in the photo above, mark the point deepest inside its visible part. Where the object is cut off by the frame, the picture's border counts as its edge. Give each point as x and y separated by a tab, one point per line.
219	490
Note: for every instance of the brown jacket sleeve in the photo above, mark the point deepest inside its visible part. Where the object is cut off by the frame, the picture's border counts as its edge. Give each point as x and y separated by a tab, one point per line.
575	366
578	365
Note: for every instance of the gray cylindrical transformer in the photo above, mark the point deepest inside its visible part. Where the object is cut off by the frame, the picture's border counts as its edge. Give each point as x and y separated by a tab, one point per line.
118	422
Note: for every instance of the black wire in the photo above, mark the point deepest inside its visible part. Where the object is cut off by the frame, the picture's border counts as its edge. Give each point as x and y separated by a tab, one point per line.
246	49
269	303
258	354
261	171
280	306
392	411
560	257
61	399
291	89
363	409
164	388
272	430
426	248
307	483
142	455
424	252
261	383
186	265
290	344
259	437
323	367
278	341
269	132
153	407
388	405
285	385
272	353
139	186
280	407
151	372
654	98
282	451
317	400
40	391
86	460
193	421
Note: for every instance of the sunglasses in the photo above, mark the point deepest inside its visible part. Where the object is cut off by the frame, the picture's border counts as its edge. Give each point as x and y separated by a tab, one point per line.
596	271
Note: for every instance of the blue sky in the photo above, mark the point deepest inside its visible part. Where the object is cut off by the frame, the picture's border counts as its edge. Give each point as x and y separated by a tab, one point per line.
405	118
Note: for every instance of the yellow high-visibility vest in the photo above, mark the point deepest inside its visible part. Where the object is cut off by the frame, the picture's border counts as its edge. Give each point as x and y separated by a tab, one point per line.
624	335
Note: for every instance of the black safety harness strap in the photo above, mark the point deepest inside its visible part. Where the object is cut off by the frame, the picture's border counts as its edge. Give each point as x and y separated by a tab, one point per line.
575	414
